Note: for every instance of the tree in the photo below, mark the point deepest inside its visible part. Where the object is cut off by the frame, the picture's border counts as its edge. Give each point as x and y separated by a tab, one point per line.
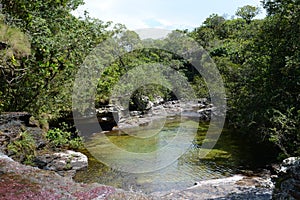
247	12
59	42
15	46
268	103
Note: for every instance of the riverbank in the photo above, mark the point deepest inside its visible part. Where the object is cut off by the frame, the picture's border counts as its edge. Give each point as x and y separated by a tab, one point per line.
250	185
235	187
25	182
20	182
200	109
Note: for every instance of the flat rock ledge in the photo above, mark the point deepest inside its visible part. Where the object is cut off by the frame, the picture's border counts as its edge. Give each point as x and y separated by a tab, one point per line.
64	163
25	182
20	182
232	188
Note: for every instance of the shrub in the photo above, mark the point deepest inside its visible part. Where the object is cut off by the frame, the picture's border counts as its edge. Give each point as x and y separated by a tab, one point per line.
60	138
23	148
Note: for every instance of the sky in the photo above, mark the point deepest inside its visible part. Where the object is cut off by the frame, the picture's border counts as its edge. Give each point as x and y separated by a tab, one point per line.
163	14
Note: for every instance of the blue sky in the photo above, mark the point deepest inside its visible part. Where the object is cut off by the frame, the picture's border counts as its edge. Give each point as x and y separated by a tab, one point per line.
165	14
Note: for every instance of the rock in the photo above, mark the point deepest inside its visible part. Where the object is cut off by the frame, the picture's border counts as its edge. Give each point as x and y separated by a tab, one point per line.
205	113
288	180
8	118
235	187
3	156
25	182
158	100
64	163
105	116
203	101
135	113
169	108
13	123
142	103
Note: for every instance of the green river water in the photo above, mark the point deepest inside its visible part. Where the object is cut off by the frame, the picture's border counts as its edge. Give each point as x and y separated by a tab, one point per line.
229	156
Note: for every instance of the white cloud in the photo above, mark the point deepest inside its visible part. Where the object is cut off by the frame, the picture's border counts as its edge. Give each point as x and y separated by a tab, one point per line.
168	14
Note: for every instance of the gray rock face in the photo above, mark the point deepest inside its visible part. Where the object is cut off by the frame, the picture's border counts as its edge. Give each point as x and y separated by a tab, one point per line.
288	180
13	123
64	163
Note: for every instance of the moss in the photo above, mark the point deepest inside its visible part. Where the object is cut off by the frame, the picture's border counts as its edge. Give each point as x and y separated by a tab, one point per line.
215	154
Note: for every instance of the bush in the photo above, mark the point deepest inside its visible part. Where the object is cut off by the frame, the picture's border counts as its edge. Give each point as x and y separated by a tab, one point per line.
284	131
60	138
23	148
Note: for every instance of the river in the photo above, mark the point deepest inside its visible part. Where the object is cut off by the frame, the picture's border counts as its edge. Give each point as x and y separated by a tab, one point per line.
231	155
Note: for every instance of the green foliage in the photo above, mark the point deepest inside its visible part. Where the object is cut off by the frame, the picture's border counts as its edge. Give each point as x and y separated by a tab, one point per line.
247	12
60	138
44	46
1	102
133	65
259	61
23	147
58	43
284	130
268	101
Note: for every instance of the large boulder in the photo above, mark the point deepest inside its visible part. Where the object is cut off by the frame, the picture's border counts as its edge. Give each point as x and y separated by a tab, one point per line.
142	103
64	163
288	180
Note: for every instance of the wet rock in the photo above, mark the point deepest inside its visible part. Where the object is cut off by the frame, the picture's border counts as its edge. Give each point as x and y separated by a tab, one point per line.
203	101
205	113
169	108
288	180
64	163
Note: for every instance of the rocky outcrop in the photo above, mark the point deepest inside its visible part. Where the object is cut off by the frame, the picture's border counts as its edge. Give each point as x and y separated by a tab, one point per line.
64	163
25	182
12	123
113	117
107	116
142	103
288	179
200	109
236	187
20	182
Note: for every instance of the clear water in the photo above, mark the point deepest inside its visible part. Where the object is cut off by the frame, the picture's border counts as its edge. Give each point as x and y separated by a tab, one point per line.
229	155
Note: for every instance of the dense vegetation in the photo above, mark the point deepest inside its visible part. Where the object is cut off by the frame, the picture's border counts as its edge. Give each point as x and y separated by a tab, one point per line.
43	44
